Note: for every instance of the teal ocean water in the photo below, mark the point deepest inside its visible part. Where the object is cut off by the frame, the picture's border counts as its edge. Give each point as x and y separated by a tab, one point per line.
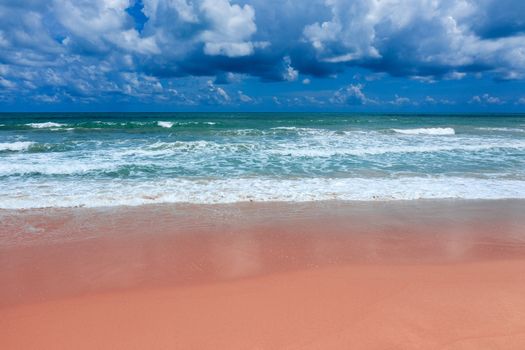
105	159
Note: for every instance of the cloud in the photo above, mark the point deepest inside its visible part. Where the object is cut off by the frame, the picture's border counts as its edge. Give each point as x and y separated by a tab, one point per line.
85	50
289	72
244	98
101	25
498	19
486	99
7	84
351	95
217	94
400	101
47	98
433	101
343	40
417	37
230	28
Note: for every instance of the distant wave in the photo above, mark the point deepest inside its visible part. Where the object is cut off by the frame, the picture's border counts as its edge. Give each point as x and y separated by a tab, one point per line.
30	147
391	149
16	146
426	131
45	125
503	129
97	125
163	156
73	167
165	124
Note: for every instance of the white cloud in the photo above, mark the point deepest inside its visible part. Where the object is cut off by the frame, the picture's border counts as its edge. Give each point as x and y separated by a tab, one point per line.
231	26
217	93
430	100
290	73
47	98
244	98
3	40
454	75
140	85
486	99
7	84
103	24
433	101
352	94
95	49
400	101
414	35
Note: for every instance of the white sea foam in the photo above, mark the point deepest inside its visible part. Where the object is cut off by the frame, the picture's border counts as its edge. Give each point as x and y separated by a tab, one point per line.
104	122
287	128
62	129
45	125
503	129
18	195
165	124
158	148
16	146
203	155
426	131
72	167
304	131
328	151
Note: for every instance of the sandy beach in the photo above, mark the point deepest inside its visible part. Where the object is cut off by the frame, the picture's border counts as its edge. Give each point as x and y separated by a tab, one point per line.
325	275
262	175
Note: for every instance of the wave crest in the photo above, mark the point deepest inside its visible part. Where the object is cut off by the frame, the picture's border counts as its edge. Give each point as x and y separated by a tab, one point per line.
165	124
16	146
45	125
426	131
203	191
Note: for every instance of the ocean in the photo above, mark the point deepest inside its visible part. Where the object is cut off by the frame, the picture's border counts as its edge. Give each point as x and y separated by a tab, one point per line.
109	159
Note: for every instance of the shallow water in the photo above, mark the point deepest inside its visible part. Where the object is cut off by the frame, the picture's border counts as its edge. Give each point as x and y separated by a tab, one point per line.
101	159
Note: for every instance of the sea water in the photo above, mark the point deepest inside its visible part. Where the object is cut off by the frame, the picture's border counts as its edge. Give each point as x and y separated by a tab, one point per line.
107	159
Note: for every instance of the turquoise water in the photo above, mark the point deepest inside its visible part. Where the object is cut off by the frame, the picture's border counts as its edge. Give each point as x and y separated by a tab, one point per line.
101	159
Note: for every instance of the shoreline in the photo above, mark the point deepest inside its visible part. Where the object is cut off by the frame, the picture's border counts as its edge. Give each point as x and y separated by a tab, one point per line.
334	274
28	226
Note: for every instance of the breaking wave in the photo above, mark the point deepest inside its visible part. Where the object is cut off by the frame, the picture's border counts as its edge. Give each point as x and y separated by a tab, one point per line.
426	131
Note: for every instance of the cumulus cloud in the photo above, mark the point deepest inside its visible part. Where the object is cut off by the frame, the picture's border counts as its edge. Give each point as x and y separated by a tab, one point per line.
244	98
217	93
351	95
231	27
486	99
435	101
342	40
83	50
400	101
7	84
289	72
101	25
417	37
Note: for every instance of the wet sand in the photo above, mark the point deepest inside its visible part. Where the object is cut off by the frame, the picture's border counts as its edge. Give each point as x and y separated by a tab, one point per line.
327	275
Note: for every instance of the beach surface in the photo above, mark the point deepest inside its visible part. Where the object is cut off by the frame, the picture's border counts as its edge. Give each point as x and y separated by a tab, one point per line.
322	275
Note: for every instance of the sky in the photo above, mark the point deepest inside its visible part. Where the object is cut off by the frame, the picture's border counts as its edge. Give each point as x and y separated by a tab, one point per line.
263	55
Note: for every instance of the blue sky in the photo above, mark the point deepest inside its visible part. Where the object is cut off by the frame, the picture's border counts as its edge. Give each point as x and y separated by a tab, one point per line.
263	55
